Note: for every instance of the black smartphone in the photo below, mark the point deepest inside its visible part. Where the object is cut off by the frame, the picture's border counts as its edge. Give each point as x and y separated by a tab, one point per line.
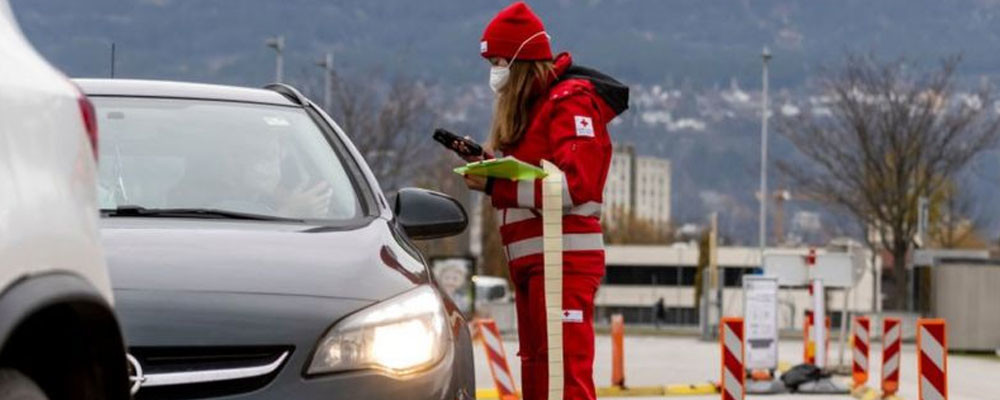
452	141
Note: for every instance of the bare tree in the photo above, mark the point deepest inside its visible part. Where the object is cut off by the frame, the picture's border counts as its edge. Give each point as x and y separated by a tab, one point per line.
883	136
954	221
625	227
389	120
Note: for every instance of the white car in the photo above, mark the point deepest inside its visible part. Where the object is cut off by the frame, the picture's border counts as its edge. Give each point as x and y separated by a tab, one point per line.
59	337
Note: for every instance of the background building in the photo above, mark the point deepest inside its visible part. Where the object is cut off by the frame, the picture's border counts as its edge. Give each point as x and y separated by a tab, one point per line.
639	276
638	185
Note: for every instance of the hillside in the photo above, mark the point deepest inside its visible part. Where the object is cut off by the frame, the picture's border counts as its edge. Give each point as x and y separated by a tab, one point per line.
694	65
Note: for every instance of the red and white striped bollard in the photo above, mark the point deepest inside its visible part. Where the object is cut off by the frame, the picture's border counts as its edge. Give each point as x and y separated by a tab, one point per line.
859	369
892	342
932	351
733	372
497	356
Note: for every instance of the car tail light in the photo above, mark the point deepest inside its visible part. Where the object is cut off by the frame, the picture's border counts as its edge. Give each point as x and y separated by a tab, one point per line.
89	121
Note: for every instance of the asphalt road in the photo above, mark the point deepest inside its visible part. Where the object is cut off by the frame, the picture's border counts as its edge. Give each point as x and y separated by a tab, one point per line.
651	361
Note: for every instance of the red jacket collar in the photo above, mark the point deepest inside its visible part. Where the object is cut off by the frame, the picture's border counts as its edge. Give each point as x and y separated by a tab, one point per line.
561	63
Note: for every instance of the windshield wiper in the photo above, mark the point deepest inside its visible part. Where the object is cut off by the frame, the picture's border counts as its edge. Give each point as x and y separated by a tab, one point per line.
139	211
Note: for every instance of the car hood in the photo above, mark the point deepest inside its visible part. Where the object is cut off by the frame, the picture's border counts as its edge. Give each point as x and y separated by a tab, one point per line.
250	257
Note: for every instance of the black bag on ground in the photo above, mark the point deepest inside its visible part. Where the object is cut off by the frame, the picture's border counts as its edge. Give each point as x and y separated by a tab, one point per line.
800	374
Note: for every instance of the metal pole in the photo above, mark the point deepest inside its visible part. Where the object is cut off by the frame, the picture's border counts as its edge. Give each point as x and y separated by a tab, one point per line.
845	318
278	44
765	56
327	65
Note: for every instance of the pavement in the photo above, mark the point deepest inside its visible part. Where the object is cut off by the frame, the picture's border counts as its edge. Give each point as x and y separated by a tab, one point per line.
662	360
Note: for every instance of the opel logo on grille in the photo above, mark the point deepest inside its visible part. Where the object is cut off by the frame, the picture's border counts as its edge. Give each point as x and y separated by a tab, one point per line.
135	376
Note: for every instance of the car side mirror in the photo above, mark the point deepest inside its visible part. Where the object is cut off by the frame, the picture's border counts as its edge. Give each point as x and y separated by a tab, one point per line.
425	214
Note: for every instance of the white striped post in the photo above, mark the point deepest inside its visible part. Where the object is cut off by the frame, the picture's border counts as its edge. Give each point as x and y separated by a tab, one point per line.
859	370
932	366
497	357
891	346
733	372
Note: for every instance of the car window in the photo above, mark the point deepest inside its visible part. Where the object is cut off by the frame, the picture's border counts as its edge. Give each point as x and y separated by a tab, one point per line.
249	158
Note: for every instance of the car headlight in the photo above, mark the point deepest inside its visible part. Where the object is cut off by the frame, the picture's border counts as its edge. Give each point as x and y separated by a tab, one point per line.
399	335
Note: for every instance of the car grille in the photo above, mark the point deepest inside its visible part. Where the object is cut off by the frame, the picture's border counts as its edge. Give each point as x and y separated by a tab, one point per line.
201	372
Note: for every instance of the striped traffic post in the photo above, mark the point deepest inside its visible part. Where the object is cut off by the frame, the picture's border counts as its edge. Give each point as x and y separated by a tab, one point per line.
932	366
859	370
891	345
497	357
733	372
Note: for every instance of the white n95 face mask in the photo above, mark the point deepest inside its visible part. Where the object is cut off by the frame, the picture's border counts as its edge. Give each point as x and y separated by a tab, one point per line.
500	75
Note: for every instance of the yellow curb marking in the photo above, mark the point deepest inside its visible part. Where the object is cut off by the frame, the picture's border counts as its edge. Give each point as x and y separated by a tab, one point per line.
639	391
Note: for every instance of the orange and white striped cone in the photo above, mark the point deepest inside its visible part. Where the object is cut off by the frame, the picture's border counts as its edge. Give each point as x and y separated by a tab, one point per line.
932	366
859	369
892	336
733	372
497	357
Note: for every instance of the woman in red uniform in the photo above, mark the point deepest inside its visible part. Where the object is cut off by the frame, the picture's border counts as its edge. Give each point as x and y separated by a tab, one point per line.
548	108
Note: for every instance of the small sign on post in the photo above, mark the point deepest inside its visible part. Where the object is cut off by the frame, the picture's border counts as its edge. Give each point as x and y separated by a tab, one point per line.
761	318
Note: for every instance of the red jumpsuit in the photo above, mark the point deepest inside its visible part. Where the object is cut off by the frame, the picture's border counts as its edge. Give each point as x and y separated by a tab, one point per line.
567	127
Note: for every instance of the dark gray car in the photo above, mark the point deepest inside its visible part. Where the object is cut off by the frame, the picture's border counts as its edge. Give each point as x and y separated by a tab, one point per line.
253	255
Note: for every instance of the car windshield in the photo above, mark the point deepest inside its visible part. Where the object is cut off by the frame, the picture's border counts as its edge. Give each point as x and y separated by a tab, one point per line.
198	154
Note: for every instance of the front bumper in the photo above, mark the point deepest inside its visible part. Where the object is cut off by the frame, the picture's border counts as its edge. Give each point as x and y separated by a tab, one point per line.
280	334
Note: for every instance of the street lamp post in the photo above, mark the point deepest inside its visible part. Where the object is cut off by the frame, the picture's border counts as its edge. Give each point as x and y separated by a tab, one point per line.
278	44
765	56
327	64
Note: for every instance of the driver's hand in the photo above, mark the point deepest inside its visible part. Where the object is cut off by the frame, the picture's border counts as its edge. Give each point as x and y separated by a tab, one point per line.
307	201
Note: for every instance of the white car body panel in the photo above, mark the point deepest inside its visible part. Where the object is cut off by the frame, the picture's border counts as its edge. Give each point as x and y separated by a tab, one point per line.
48	211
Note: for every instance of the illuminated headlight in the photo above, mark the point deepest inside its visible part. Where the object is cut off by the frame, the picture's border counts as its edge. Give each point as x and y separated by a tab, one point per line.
399	335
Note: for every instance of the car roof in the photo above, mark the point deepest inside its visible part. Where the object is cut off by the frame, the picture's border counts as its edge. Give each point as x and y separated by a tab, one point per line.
184	90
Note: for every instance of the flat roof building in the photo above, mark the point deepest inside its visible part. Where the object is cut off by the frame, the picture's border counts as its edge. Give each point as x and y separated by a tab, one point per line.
637	276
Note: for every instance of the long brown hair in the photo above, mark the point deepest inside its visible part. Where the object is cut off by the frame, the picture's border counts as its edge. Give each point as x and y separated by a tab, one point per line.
510	111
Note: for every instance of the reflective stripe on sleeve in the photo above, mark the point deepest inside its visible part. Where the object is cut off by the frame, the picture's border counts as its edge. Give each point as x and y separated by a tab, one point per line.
526	193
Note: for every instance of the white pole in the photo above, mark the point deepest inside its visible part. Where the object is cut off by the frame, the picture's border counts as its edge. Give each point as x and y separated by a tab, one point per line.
328	92
278	44
819	322
327	64
845	318
765	56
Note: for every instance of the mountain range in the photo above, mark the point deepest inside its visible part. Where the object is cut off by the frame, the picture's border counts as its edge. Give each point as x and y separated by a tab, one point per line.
694	65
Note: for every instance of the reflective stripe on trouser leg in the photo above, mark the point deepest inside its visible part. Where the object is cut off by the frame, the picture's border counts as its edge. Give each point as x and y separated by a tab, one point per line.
571	242
509	216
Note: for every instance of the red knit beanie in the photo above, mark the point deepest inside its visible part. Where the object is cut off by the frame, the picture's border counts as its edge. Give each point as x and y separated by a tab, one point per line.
509	29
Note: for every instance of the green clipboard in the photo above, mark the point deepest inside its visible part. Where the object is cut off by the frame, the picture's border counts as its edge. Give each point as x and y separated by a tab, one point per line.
507	168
